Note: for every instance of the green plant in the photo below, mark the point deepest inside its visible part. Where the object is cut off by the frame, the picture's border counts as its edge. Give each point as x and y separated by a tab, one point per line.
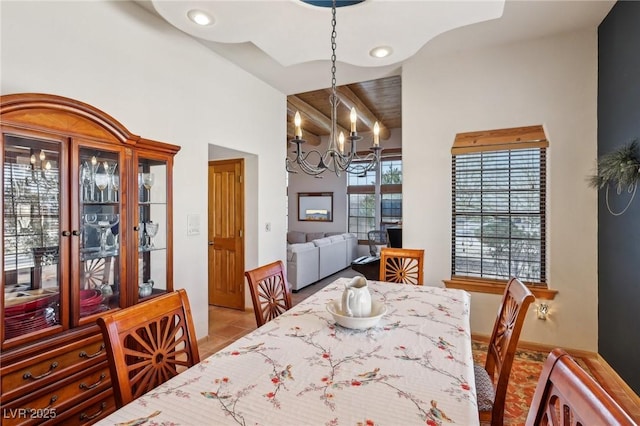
620	167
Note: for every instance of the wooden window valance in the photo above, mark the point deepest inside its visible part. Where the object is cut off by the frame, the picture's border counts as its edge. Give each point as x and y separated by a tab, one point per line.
501	139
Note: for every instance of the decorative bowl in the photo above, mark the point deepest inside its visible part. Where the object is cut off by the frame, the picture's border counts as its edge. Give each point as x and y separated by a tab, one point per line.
378	309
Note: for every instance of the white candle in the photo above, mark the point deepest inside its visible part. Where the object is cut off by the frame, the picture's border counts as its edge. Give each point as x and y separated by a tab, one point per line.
354	118
341	142
298	121
376	134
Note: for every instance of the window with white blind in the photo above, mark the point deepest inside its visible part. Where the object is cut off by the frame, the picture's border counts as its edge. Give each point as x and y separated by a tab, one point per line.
499	205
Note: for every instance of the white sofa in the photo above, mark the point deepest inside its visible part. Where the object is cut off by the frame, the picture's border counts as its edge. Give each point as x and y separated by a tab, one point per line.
313	256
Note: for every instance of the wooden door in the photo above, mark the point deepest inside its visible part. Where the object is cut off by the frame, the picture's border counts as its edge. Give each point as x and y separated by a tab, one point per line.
226	228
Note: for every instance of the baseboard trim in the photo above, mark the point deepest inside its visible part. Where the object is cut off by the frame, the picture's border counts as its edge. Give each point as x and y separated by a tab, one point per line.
614	375
540	347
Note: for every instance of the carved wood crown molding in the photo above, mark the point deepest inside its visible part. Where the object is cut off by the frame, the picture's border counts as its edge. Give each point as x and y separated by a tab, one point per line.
70	116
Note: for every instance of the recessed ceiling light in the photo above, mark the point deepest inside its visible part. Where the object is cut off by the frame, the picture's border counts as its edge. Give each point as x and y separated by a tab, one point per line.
199	17
381	52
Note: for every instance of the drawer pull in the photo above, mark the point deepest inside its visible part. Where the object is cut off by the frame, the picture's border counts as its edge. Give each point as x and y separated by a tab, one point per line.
85	416
27	375
52	401
83	354
88	387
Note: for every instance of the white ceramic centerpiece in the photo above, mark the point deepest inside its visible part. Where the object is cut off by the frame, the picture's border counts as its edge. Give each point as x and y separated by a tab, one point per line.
378	310
356	298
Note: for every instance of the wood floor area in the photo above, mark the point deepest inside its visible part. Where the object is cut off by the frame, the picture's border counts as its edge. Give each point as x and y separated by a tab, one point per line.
228	325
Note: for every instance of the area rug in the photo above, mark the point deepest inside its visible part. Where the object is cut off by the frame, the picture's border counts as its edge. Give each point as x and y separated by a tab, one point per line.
525	371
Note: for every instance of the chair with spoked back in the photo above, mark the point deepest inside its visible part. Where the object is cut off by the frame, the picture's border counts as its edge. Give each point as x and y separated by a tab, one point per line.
148	343
492	379
567	395
400	265
270	291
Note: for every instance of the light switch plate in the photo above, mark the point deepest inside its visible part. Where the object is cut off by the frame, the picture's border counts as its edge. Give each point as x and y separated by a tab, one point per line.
193	224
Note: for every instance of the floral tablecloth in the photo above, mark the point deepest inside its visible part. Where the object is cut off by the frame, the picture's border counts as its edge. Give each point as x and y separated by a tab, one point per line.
414	368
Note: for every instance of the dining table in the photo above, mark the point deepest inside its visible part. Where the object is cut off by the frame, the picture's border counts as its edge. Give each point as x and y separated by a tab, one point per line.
413	367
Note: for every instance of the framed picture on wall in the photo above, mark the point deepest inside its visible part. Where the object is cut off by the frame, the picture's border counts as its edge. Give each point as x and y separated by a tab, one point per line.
315	206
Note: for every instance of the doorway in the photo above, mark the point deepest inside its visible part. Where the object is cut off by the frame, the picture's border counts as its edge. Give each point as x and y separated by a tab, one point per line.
226	233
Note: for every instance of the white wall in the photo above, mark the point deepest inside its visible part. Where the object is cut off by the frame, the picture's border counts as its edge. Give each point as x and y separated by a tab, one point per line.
161	85
550	82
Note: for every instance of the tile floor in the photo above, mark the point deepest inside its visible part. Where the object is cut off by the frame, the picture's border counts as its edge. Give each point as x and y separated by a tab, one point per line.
228	325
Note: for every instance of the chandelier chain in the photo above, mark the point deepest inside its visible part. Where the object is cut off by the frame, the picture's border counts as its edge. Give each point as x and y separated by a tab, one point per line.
336	158
334	34
333	99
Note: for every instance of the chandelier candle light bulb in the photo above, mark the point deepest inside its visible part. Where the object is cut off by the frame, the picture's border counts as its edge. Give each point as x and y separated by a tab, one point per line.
354	117
298	121
376	134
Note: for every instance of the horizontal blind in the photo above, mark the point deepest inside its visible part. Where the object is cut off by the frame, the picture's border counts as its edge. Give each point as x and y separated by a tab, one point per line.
498	220
31	213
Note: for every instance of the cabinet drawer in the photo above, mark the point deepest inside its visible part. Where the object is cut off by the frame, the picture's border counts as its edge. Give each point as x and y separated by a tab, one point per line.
24	377
52	401
88	412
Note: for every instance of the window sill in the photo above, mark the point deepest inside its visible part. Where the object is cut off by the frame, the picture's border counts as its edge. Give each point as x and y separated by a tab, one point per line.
496	287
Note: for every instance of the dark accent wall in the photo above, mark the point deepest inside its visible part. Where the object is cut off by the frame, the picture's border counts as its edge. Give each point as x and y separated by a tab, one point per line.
619	236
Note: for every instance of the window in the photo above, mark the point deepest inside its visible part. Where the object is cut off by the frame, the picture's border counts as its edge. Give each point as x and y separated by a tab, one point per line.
498	205
31	209
362	199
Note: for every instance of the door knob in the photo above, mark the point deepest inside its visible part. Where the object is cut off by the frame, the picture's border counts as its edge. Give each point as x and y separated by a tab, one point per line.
210	243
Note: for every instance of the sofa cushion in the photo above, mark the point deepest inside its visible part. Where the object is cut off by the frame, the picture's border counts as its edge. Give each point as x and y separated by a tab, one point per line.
336	238
314	236
294	248
294	237
331	234
322	242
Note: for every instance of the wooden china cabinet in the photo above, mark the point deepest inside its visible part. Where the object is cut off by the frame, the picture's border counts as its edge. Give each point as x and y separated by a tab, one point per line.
87	228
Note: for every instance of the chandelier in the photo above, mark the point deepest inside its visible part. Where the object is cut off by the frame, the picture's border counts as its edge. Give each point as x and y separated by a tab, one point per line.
335	159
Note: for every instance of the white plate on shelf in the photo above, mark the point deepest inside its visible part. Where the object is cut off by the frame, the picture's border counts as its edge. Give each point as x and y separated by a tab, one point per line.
378	310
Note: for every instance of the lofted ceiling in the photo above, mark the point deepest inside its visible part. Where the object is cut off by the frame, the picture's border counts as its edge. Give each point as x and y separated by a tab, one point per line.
286	43
375	100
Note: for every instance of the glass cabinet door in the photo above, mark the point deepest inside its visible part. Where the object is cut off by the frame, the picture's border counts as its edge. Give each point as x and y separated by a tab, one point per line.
31	233
100	223
152	227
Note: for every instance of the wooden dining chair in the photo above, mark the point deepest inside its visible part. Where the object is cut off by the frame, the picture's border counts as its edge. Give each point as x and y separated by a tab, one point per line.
567	395
149	343
493	378
400	265
269	291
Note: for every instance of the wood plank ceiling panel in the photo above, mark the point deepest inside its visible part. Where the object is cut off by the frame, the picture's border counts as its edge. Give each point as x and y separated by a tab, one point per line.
382	97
